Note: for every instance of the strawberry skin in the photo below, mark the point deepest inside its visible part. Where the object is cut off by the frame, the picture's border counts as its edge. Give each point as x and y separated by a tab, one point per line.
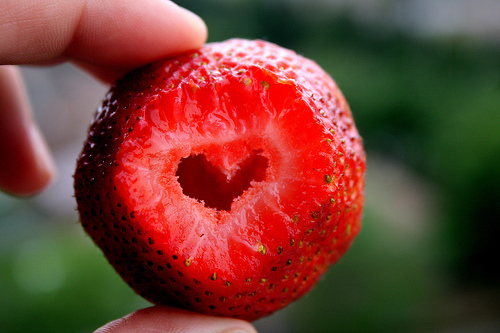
225	180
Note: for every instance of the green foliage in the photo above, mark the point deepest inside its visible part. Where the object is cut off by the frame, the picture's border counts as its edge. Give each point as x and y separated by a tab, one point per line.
58	281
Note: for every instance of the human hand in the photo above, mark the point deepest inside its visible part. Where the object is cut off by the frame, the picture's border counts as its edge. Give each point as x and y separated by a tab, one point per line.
107	38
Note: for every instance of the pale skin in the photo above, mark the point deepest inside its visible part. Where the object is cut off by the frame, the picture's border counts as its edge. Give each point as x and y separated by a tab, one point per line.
106	38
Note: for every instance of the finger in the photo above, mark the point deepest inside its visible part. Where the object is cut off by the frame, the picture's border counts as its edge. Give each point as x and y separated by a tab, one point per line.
108	36
25	163
173	320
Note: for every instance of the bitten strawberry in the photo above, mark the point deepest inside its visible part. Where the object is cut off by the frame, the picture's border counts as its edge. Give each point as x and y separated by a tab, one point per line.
225	180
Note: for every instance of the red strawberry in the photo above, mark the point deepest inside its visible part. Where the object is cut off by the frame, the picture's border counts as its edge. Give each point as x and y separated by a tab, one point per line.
225	180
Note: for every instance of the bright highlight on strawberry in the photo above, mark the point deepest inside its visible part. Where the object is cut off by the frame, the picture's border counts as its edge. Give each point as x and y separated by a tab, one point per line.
225	180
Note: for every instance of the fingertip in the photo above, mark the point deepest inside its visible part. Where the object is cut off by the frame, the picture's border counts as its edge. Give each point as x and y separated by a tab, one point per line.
29	167
198	29
26	165
169	319
111	41
132	34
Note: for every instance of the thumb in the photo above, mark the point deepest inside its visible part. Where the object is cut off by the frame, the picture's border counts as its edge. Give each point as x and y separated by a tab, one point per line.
173	320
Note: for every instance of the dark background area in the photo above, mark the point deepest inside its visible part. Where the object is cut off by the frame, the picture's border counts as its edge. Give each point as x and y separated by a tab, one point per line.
423	81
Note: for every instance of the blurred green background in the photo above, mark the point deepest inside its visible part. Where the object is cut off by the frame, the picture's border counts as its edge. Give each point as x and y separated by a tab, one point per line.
423	81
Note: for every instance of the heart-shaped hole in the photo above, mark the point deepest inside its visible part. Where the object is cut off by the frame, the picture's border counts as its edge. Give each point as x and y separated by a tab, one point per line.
203	181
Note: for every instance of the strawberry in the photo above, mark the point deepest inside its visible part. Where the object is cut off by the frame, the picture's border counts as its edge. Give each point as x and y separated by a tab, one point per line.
225	180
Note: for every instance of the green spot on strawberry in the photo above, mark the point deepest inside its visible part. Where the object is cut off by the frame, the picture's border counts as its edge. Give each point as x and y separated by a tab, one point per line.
262	249
247	81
